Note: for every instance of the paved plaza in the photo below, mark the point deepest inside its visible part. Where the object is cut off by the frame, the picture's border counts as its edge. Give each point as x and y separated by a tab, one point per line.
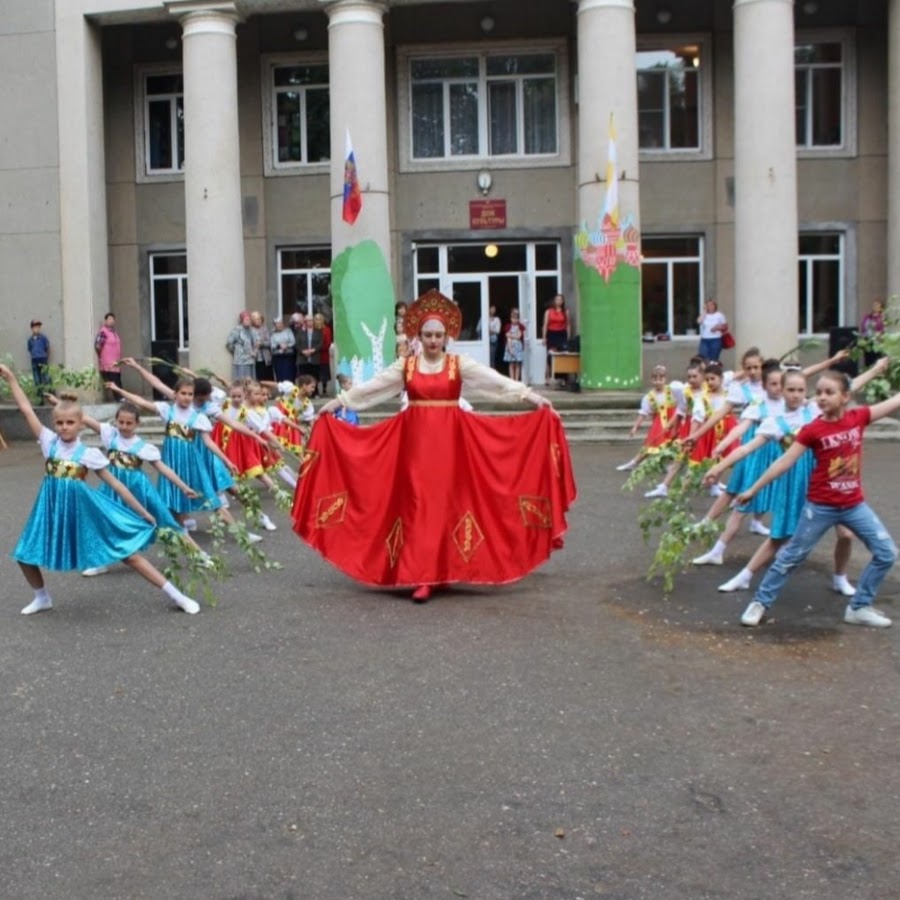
576	735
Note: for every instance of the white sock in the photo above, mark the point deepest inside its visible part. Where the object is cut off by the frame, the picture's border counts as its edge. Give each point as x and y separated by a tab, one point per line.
180	600
225	501
171	591
287	475
718	549
41	602
745	575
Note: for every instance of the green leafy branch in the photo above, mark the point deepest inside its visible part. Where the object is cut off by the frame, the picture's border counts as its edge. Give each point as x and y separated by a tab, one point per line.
679	529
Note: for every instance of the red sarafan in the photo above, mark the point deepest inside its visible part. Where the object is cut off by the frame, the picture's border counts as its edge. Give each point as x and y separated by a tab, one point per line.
436	495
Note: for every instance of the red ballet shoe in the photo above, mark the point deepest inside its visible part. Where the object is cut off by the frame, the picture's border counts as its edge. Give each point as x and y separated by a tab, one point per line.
422	593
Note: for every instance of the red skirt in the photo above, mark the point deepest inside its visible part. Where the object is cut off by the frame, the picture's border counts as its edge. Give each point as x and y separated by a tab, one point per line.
704	447
436	495
243	451
658	435
288	433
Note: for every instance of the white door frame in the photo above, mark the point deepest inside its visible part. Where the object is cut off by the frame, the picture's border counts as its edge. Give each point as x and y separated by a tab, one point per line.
479	350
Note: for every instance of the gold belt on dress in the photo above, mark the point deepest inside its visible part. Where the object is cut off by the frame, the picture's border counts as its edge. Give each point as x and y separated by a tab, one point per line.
434	403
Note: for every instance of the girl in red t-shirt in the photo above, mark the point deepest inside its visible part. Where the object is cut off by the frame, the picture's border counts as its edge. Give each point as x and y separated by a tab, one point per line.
834	497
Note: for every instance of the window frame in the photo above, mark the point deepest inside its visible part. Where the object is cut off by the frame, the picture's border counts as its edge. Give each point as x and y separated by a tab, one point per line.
280	272
700	259
183	299
847	39
142	124
705	83
808	260
409	52
268	63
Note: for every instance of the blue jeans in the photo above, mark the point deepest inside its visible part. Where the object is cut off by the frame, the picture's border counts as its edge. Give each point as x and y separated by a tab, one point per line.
815	520
710	348
40	375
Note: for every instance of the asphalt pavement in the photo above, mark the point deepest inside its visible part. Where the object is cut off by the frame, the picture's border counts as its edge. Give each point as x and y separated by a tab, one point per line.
576	735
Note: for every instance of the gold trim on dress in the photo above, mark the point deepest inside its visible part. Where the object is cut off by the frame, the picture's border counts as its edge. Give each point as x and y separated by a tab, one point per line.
433	403
452	366
331	509
467	536
122	460
179	431
395	542
307	460
556	457
535	512
65	468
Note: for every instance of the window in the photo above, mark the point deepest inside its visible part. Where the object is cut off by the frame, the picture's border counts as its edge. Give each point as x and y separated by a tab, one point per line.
819	94
671	284
163	123
299	114
821	282
169	303
304	279
484	105
669	88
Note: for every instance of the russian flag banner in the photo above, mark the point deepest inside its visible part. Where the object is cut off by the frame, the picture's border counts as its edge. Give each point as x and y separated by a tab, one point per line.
352	195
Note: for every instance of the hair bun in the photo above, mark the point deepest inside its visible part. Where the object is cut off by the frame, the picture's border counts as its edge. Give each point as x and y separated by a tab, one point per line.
67	396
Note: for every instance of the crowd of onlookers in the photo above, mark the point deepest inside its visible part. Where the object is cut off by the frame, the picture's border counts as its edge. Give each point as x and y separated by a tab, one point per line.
300	346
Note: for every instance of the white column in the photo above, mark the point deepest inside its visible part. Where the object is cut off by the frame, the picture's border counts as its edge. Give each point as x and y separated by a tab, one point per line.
893	117
607	83
84	240
212	178
358	103
765	176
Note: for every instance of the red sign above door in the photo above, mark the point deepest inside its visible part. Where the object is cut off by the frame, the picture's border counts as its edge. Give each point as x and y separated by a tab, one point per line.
487	214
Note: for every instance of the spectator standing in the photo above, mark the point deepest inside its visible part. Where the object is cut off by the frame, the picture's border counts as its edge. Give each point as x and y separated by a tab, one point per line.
871	328
713	325
495	326
557	329
322	326
262	344
108	346
239	344
309	346
284	352
39	351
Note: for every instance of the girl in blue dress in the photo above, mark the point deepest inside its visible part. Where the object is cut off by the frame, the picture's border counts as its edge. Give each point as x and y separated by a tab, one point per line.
127	452
71	526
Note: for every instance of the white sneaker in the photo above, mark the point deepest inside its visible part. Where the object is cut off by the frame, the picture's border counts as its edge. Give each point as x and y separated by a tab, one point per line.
716	490
205	560
253	538
864	615
37	606
626	467
659	491
708	559
97	570
267	523
840	585
738	583
190	524
757	527
753	614
191	607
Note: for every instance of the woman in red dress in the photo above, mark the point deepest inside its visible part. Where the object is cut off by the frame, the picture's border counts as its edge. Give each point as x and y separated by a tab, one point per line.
435	495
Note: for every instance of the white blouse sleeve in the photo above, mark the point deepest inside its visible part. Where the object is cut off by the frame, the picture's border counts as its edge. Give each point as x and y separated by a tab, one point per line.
94	459
484	381
770	429
644	409
386	384
149	453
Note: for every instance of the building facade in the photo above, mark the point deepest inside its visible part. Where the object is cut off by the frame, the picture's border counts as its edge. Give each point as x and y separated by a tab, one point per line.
177	162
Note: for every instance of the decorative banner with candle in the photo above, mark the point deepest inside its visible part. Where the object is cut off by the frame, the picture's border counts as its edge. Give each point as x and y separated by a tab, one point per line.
608	275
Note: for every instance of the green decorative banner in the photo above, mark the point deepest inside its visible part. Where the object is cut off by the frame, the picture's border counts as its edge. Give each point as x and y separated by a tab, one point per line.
363	302
608	275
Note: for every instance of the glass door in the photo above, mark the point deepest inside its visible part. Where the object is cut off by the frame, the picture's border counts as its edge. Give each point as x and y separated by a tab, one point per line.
469	292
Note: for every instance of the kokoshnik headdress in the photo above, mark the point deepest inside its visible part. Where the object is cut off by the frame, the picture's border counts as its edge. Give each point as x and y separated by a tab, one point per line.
433	305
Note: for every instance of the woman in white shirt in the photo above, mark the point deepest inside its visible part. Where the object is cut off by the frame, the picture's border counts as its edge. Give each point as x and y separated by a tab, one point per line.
712	326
